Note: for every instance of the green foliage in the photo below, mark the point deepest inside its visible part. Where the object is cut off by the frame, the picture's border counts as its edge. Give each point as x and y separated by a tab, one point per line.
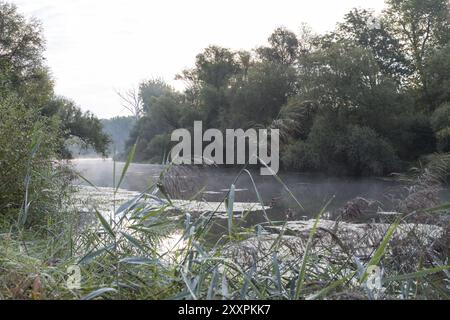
24	74
366	153
355	101
420	26
437	70
151	89
441	125
83	125
370	32
354	150
22	68
283	49
29	176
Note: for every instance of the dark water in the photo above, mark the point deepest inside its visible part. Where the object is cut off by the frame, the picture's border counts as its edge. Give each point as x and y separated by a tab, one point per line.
211	184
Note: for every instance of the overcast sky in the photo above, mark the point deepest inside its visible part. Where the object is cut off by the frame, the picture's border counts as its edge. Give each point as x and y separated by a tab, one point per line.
95	47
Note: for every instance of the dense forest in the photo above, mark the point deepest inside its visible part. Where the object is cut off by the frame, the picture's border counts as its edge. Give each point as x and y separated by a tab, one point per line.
369	98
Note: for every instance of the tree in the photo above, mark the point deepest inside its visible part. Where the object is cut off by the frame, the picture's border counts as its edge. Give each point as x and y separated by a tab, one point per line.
82	125
437	69
21	43
364	29
441	125
420	26
215	66
21	58
150	89
23	74
132	102
283	49
259	99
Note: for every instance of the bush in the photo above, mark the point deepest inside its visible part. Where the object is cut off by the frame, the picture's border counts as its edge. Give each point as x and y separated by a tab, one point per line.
440	120
342	150
28	170
300	156
367	153
412	136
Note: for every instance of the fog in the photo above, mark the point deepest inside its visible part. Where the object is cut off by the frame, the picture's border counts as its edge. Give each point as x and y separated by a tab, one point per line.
211	184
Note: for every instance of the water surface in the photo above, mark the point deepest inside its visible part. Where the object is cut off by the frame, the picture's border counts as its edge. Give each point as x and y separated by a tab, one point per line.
212	184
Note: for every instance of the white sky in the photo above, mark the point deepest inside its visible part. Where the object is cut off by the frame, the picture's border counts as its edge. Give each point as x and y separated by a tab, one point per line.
95	47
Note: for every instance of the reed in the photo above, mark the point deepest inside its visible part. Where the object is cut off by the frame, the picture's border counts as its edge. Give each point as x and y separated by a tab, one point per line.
120	257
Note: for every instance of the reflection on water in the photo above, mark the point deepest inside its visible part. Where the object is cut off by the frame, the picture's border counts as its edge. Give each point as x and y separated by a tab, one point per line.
212	184
200	191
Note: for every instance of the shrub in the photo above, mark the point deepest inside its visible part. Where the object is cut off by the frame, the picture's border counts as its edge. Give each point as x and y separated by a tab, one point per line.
367	153
440	120
342	149
30	178
299	156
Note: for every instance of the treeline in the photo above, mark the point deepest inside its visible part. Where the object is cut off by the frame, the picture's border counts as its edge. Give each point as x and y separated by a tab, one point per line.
35	124
368	98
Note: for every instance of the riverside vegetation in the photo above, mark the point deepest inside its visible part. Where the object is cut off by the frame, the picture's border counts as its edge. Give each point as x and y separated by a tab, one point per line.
367	99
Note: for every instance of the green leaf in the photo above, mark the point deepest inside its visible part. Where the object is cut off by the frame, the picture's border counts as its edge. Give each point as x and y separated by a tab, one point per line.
86	180
98	293
258	196
277	274
135	242
331	287
188	285
105	224
439	208
213	285
302	273
138	261
92	255
127	164
230	205
284	185
375	260
419	274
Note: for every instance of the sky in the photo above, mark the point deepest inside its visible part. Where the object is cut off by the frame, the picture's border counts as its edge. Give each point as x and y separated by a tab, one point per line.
98	47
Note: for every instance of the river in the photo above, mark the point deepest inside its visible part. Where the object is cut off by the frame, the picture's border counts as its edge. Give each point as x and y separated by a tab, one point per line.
212	184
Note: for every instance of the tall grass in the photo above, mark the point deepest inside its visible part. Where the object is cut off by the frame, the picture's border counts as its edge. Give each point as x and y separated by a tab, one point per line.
121	257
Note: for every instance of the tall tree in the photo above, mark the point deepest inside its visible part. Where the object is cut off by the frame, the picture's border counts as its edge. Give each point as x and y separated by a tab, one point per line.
284	47
421	26
371	32
23	74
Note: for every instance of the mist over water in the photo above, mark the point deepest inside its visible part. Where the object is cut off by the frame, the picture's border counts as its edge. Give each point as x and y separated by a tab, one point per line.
212	183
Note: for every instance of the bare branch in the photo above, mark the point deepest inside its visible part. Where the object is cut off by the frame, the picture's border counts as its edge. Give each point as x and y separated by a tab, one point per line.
132	101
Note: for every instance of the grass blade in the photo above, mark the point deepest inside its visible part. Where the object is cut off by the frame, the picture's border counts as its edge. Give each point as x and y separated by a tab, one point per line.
138	261
127	165
331	287
375	260
419	274
98	293
302	273
105	224
93	254
135	242
230	205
